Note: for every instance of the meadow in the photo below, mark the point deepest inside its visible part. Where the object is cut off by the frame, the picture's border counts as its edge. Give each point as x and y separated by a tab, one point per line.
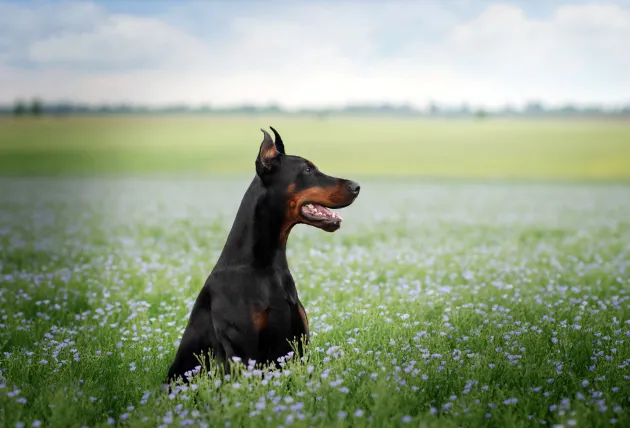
569	149
449	297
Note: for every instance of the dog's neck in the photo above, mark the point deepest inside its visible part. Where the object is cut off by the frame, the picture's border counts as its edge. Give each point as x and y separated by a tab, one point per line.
255	237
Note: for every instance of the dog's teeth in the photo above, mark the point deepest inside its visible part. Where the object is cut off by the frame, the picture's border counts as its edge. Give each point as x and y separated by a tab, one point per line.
318	211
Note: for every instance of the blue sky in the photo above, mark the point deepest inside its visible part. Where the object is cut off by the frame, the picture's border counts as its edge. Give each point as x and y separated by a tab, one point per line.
316	53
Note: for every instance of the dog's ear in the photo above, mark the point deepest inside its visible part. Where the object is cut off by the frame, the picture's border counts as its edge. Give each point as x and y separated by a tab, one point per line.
278	140
267	155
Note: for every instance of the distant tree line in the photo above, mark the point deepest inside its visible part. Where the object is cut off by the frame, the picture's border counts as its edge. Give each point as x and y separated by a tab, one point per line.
533	109
22	108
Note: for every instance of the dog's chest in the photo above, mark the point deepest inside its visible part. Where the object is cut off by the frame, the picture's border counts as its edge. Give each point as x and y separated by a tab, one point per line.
283	285
281	306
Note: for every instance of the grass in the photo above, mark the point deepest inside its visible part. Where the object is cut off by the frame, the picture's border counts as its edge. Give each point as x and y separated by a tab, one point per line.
437	304
448	305
493	148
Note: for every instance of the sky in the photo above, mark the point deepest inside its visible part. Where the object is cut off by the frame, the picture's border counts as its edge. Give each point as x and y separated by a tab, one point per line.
316	53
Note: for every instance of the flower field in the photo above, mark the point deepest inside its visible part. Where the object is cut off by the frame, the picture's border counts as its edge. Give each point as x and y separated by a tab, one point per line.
436	304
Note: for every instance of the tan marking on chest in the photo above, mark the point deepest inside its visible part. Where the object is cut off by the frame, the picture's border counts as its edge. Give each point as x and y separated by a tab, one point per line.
302	313
260	319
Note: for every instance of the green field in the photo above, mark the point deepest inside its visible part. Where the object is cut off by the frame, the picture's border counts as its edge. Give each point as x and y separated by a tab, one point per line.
492	148
454	303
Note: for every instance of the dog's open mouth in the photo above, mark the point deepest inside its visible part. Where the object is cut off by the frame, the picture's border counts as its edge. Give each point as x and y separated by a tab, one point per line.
320	214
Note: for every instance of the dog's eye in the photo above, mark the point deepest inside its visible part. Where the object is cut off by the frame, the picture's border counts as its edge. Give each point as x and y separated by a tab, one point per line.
308	170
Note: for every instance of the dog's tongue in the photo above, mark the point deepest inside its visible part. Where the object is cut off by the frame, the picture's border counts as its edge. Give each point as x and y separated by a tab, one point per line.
321	211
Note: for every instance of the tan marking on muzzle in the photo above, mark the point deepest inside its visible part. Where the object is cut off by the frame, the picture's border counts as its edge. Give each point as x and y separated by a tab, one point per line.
327	196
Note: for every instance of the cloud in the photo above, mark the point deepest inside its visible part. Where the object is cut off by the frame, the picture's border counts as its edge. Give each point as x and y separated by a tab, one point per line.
83	35
568	43
318	54
21	26
119	42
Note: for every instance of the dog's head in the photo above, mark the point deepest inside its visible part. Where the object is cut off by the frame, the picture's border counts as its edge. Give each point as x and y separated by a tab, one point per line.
308	194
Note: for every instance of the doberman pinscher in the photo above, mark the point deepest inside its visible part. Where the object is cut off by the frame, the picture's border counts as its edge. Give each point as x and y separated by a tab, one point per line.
249	306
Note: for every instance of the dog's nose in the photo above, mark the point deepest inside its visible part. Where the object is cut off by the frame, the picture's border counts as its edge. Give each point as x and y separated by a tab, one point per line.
354	187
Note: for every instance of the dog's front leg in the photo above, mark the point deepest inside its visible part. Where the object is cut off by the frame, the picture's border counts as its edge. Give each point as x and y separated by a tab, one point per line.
236	338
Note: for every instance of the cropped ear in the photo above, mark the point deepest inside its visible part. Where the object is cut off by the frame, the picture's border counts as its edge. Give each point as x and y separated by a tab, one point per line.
267	154
278	141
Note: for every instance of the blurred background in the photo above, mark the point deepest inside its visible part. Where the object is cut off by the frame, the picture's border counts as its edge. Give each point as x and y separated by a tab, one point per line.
467	89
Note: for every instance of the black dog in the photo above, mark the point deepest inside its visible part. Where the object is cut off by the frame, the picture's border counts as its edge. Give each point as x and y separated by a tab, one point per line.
249	306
